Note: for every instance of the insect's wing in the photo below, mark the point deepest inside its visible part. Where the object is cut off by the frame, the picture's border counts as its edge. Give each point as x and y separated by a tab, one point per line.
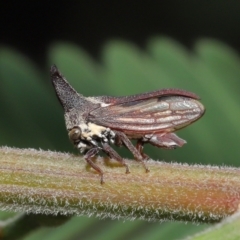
144	96
150	115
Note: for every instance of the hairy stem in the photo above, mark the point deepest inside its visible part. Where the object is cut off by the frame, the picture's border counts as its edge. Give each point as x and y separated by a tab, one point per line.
55	183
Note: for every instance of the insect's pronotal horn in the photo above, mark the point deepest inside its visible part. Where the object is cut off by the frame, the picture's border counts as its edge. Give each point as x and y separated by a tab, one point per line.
66	94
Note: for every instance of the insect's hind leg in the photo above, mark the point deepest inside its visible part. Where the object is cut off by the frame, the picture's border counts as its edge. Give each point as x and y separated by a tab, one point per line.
88	155
122	138
139	147
113	154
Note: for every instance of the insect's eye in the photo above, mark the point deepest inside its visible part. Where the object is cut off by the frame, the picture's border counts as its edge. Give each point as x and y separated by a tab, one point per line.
74	134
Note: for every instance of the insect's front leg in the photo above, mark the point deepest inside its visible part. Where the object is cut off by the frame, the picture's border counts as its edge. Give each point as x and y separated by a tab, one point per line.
122	138
113	154
90	154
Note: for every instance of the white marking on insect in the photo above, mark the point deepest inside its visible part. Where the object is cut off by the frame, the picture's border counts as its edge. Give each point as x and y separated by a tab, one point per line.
192	116
137	120
168	119
183	105
105	104
82	146
93	142
160	114
94	100
179	122
160	106
91	131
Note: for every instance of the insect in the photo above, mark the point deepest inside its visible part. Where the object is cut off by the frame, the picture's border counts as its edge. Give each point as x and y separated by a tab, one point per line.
94	123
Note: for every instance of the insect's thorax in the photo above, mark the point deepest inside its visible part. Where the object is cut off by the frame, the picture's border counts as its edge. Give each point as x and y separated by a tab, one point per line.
91	135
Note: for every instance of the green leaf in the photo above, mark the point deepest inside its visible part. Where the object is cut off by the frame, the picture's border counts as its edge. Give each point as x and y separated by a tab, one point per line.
227	230
129	70
78	66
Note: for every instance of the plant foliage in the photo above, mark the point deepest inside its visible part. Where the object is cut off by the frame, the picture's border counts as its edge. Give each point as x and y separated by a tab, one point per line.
32	117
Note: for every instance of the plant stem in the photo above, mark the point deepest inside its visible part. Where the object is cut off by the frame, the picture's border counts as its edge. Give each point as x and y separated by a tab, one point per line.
55	183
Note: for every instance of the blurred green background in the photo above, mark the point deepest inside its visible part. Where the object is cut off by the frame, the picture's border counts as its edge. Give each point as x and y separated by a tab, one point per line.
113	50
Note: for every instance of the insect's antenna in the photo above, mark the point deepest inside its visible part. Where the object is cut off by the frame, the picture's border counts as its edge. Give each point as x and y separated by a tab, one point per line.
66	94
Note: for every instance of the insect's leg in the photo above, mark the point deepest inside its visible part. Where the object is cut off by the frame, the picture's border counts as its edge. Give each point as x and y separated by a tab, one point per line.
167	141
139	147
124	139
89	154
113	154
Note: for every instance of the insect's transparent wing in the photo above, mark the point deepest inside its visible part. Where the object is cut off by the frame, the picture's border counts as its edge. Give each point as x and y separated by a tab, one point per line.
159	114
